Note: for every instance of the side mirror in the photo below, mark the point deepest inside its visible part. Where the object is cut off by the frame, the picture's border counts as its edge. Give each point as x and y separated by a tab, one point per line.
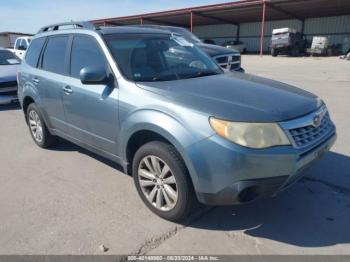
93	75
22	48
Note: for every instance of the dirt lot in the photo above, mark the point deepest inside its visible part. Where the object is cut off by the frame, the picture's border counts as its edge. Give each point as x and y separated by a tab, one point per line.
68	201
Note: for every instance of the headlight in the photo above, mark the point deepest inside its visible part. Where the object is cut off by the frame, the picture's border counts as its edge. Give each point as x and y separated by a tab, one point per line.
253	135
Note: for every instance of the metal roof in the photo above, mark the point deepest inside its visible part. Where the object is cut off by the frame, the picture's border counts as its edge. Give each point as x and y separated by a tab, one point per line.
237	12
131	30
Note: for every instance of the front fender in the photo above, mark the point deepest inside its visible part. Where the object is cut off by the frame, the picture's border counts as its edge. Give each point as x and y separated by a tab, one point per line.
165	125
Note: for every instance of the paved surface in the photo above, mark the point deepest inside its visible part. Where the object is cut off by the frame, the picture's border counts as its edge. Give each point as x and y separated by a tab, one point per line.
68	201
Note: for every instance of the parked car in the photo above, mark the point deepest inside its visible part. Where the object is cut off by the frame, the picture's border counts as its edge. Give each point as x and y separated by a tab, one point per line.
21	46
346	46
182	128
287	41
8	76
320	46
236	45
228	59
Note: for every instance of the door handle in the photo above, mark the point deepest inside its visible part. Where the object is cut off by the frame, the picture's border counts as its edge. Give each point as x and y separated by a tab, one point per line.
35	80
67	90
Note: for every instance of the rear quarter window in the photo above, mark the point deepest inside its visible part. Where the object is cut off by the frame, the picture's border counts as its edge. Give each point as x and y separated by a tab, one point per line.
33	53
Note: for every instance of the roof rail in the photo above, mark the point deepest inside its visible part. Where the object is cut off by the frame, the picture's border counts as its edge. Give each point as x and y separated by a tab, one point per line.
55	27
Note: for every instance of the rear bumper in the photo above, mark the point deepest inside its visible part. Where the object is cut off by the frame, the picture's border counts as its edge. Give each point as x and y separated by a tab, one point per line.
232	174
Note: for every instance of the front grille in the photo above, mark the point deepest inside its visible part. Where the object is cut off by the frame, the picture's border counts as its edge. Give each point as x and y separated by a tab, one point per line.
236	58
231	62
235	66
8	84
307	135
222	60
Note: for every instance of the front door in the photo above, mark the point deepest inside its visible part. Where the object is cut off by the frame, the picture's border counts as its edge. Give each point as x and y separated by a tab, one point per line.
91	110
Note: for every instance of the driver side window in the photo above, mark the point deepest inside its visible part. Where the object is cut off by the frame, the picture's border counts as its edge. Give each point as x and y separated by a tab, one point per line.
85	52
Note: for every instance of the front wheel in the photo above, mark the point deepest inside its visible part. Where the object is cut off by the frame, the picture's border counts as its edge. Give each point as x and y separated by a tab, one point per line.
38	129
162	181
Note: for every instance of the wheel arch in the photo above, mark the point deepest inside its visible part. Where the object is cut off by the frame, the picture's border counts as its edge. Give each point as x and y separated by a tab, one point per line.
27	100
161	127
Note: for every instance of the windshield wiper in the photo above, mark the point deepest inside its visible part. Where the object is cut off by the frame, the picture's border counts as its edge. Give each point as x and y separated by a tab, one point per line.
202	73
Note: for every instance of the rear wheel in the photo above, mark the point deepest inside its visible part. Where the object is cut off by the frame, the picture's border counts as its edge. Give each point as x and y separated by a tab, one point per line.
162	181
38	129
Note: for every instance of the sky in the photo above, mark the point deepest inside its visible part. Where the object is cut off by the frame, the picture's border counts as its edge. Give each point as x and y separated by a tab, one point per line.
28	16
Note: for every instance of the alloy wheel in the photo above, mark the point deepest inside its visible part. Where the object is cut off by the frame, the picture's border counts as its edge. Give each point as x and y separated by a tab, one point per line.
35	126
158	183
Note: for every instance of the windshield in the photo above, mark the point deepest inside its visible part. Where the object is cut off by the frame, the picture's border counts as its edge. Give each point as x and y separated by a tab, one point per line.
185	34
8	58
146	57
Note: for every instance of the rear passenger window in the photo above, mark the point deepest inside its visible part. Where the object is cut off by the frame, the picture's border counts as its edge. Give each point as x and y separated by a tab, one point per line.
55	53
34	50
85	52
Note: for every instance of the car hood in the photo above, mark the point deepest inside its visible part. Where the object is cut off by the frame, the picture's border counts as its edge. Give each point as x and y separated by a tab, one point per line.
215	50
8	73
238	97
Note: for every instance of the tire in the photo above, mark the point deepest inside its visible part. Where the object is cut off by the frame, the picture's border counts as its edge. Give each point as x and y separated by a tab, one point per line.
295	52
274	52
36	123
165	155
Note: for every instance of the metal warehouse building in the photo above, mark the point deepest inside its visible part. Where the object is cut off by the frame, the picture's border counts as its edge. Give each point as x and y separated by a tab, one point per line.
8	39
252	21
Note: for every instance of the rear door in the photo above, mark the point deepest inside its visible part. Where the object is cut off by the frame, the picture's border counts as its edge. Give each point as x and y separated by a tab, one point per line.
51	79
91	110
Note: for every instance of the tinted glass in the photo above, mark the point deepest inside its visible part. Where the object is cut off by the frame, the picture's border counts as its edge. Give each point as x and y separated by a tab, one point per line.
85	52
24	43
185	34
159	57
17	43
54	55
8	58
34	50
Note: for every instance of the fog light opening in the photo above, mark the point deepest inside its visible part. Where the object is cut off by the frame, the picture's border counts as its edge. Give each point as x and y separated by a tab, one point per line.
249	194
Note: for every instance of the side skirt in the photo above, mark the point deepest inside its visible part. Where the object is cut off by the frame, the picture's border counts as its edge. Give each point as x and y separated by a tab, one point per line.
93	149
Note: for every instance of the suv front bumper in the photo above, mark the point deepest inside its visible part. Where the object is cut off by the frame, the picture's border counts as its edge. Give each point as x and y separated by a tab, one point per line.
224	173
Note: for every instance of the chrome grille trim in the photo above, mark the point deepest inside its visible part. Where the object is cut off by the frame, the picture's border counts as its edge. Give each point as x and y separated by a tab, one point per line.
229	61
310	129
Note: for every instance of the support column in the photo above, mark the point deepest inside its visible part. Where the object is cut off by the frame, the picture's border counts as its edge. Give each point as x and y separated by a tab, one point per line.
262	36
238	32
141	21
191	21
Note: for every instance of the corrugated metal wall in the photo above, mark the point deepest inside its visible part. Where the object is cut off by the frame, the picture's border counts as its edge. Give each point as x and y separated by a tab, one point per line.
4	41
336	28
250	32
